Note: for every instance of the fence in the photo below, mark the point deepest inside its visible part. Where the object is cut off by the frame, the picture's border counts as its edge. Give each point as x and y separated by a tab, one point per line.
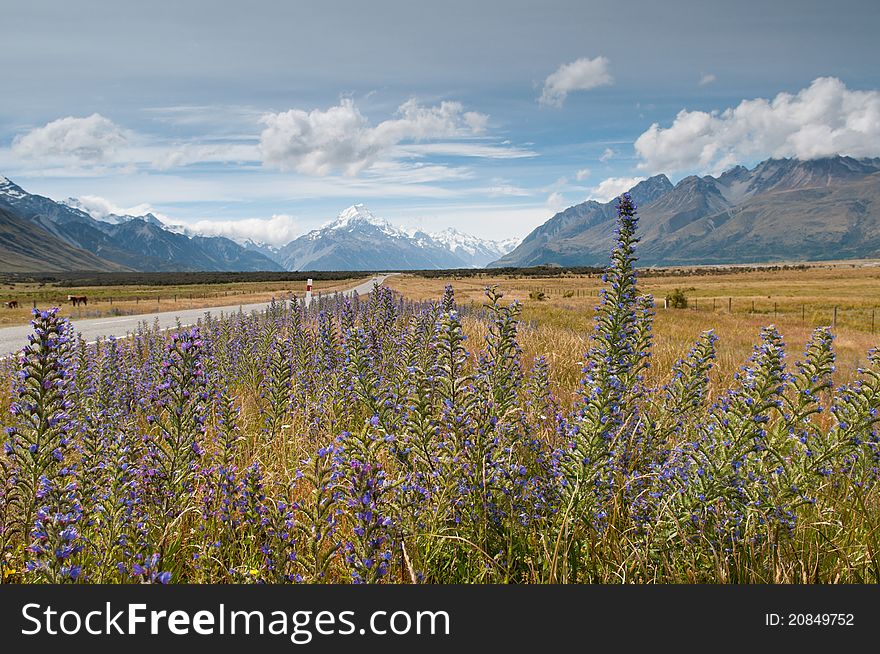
56	300
865	318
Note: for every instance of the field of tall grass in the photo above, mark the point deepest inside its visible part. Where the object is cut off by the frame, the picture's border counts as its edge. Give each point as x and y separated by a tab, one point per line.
140	299
400	440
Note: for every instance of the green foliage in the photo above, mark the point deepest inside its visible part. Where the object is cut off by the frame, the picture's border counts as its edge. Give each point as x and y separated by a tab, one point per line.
677	299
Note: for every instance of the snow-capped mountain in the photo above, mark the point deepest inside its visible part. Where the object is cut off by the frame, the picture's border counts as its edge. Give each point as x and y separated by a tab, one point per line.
357	216
112	218
141	243
27	247
9	189
355	240
475	252
358	240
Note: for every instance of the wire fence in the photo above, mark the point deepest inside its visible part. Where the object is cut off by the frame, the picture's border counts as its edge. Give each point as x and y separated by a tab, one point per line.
860	317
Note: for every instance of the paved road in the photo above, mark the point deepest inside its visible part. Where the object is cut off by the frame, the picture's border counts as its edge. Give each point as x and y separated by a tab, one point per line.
13	339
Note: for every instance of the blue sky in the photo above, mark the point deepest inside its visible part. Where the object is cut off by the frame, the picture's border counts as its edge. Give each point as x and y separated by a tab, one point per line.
266	119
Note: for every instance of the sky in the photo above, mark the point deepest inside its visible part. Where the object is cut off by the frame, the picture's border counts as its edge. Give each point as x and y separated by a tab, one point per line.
266	119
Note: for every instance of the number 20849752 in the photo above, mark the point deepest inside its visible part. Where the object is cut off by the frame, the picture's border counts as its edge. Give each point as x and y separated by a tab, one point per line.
809	619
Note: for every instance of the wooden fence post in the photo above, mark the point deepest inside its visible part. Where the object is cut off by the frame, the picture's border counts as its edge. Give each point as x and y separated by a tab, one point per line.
834	319
730	305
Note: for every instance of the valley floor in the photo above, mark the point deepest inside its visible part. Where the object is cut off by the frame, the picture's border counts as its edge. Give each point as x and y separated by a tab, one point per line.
130	300
736	304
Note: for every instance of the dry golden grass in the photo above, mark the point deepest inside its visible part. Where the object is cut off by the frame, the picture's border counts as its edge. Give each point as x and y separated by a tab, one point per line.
559	327
138	300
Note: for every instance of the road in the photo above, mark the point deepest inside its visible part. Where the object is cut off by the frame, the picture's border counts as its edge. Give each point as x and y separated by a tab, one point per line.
13	339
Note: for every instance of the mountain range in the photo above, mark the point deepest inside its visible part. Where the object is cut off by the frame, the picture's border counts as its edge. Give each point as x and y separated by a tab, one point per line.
55	236
38	234
780	210
358	240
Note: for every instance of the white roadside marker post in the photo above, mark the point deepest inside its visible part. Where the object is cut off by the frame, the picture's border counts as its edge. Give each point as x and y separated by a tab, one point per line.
308	292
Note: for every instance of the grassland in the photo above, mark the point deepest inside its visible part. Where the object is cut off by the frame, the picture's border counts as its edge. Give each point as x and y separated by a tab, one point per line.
366	441
134	299
735	304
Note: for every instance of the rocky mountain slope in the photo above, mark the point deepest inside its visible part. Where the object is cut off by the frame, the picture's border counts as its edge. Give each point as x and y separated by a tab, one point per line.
782	209
124	242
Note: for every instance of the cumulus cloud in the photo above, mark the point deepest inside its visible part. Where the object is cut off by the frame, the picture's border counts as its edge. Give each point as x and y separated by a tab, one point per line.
280	229
319	142
90	140
707	78
556	201
99	208
824	119
607	154
582	174
610	188
579	75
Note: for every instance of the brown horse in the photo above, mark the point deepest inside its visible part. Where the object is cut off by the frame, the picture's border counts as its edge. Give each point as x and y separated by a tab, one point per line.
78	299
12	305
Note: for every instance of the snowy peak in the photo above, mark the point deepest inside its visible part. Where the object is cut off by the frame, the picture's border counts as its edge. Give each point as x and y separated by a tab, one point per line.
358	240
509	244
357	215
356	212
455	240
111	242
10	189
475	251
112	218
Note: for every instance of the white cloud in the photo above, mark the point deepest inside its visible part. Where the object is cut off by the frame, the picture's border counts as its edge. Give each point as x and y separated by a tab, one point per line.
579	75
607	154
707	78
459	149
390	172
319	142
277	230
100	208
556	201
280	229
506	190
193	153
582	174
821	120
90	140
610	188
